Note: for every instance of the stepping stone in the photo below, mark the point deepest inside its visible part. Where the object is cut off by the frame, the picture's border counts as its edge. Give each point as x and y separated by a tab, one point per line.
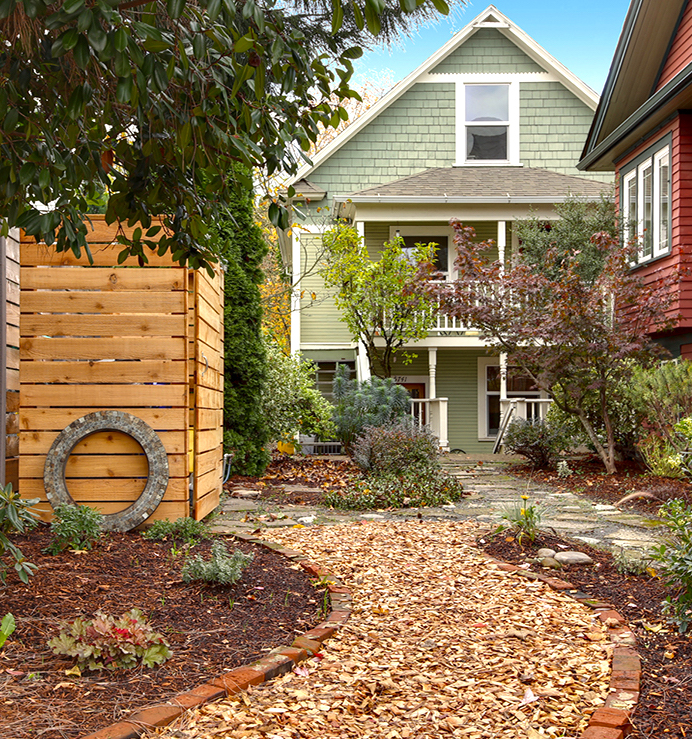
574	517
372	516
242	493
605	507
590	541
573	558
237	505
300	489
307	520
280	523
568	525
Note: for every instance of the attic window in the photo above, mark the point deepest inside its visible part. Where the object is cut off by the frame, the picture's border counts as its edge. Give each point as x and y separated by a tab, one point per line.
487	120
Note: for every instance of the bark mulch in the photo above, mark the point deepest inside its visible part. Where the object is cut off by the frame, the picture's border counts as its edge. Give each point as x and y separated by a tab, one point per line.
665	705
440	643
210	629
590	479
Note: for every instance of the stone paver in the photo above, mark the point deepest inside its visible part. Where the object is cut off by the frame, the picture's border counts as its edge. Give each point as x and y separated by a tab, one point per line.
491	491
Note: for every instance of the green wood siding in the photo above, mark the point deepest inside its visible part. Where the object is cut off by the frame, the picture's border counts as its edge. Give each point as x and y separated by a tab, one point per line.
413	134
320	320
553	127
457	380
487	51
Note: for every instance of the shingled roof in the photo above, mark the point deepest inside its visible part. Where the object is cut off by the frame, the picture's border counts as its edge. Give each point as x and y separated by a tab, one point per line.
481	185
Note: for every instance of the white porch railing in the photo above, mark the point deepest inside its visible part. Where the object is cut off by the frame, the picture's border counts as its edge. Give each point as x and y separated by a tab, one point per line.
527	409
432	412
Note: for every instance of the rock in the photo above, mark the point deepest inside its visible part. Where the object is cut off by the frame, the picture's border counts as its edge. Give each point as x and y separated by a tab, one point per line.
541	553
242	493
372	516
307	519
551	562
573	558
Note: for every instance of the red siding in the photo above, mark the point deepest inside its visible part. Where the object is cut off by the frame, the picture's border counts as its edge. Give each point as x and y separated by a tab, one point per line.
680	258
680	54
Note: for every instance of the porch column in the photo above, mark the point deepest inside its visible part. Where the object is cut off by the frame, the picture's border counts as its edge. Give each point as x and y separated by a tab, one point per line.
501	242
503	377
295	292
362	364
432	372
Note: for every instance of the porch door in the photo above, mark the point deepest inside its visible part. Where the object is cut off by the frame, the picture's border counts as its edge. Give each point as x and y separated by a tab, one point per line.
416	390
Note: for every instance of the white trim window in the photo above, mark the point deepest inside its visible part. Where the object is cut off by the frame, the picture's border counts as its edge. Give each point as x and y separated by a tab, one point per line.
488	125
439	235
646	208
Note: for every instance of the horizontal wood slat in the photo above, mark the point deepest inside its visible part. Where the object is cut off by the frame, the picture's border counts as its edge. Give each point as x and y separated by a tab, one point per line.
102	465
105	372
111	489
97	349
97	326
103	442
208	461
166	510
207	440
204	506
101	278
209	419
93	301
48	419
207	398
103	396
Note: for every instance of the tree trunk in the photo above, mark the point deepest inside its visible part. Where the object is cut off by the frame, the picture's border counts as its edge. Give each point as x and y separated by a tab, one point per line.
607	460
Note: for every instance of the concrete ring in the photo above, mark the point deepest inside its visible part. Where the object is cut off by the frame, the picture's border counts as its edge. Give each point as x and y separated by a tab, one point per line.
157	480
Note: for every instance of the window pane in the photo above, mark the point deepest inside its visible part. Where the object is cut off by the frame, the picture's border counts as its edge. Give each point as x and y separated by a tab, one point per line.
663	204
647	190
493	414
441	250
486	142
487	103
493	375
632	224
518	382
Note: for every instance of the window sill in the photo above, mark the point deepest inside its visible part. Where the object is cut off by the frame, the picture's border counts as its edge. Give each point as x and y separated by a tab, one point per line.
488	163
651	260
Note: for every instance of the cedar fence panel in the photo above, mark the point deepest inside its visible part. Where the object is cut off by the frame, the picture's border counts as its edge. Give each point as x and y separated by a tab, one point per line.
11	340
120	337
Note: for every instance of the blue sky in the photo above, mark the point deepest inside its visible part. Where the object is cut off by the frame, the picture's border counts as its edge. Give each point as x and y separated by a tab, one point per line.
581	34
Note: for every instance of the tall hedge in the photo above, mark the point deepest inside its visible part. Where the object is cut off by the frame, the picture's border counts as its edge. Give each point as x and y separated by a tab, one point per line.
245	431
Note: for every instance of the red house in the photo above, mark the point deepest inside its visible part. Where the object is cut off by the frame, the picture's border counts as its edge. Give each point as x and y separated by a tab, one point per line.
642	130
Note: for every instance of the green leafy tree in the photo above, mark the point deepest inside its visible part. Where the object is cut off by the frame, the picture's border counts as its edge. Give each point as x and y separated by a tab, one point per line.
376	297
240	240
154	101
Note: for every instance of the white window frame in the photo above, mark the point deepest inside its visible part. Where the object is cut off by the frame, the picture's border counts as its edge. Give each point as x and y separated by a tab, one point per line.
651	162
513	154
430	232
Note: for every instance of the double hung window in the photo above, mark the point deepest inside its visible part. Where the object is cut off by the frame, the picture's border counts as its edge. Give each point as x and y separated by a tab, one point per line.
646	203
487	122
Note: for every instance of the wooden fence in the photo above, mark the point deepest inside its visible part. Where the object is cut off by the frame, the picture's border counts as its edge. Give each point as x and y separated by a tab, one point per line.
10	255
128	338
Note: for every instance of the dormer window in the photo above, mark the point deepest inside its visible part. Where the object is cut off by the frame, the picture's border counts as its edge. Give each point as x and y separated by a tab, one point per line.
487	122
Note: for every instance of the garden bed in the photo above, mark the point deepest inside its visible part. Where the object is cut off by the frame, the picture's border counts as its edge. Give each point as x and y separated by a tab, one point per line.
665	703
589	478
210	629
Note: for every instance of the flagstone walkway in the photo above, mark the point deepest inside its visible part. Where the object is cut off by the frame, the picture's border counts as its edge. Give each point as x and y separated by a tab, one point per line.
491	491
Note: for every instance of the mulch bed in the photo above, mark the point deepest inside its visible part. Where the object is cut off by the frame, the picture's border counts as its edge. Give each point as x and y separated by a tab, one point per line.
665	704
210	629
590	479
313	476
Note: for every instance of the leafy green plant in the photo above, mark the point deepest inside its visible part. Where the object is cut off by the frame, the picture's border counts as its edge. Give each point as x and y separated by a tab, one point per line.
75	527
394	447
7	627
182	529
524	519
418	487
539	441
16	516
222	567
674	558
375	402
564	470
105	642
661	457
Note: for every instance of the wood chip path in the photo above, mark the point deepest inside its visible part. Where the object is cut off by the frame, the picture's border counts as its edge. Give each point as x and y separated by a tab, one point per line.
440	643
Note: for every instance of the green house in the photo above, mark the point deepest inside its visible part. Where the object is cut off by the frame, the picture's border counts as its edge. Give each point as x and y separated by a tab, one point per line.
488	130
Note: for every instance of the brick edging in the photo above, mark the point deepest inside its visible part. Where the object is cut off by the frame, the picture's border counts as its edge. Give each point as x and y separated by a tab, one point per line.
611	721
277	662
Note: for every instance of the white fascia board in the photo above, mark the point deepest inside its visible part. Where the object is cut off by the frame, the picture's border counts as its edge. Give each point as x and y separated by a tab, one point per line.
397	91
436	199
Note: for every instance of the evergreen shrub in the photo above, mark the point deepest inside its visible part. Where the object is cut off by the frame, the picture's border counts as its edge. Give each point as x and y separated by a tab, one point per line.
539	441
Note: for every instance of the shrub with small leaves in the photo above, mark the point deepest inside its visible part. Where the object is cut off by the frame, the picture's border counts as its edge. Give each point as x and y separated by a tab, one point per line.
394	447
539	441
674	558
105	642
182	529
75	527
222	568
421	486
16	516
661	457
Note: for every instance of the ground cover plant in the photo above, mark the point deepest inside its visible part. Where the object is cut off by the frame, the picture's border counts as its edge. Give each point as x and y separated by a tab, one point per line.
209	628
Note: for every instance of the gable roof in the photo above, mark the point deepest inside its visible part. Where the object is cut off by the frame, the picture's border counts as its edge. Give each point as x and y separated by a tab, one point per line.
481	185
631	101
489	18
